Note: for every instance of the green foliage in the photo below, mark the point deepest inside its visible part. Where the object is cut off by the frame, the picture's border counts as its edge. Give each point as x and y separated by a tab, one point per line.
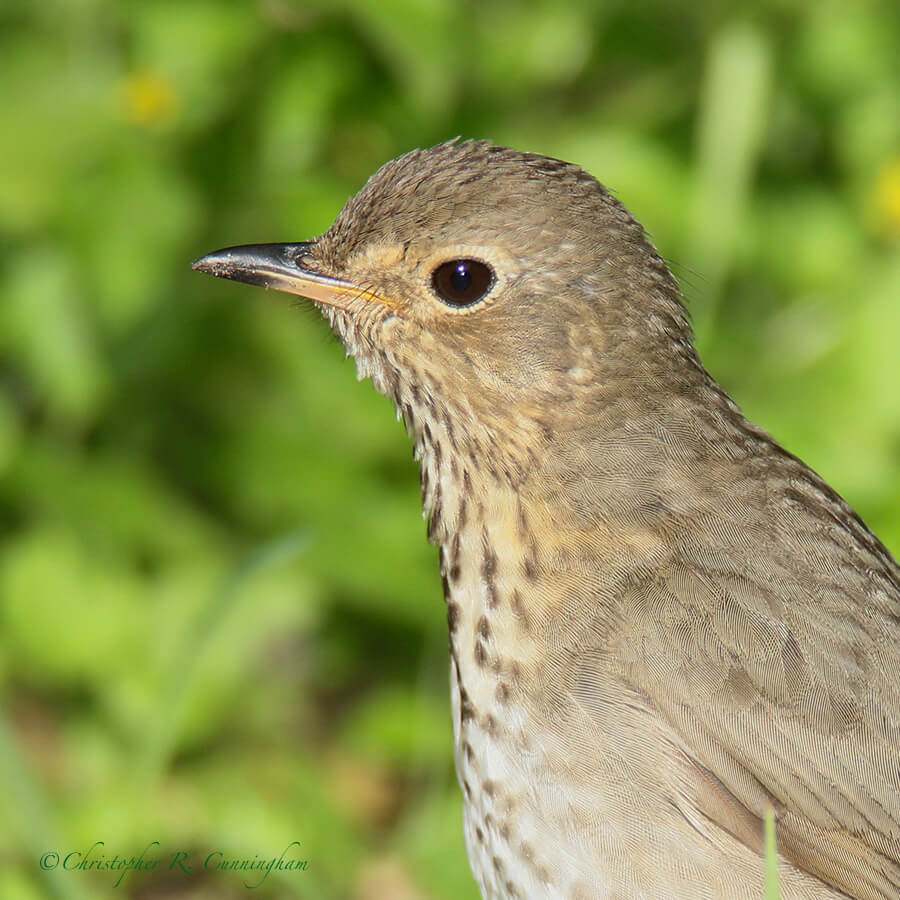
773	886
221	624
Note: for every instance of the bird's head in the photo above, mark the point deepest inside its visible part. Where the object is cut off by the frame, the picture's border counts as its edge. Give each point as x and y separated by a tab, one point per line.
497	286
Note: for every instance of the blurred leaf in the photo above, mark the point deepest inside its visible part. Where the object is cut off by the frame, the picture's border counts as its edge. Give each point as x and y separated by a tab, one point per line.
392	726
65	619
409	36
60	112
10	434
190	655
844	48
113	503
773	888
123	218
812	241
733	114
47	329
24	802
525	47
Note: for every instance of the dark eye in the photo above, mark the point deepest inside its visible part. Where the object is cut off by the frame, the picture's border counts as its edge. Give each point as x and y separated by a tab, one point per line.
462	282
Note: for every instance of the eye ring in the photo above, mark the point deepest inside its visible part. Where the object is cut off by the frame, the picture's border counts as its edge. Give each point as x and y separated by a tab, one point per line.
462	282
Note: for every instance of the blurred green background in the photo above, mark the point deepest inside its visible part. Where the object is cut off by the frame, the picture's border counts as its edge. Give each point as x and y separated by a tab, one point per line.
222	627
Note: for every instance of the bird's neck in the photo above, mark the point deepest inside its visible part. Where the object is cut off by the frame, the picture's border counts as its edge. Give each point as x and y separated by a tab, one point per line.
519	504
514	520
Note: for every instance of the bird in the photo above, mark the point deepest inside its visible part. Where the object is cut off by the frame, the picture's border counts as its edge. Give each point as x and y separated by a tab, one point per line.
662	624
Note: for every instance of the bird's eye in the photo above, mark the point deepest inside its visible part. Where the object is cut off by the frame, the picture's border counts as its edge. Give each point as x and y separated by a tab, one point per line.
462	282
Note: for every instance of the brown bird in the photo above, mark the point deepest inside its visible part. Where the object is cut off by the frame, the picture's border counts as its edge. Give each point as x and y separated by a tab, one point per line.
662	624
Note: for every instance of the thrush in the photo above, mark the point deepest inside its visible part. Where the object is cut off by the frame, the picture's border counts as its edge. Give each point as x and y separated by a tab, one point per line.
662	624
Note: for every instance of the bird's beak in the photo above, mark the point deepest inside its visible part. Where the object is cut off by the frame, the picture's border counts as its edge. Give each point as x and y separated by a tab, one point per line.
278	266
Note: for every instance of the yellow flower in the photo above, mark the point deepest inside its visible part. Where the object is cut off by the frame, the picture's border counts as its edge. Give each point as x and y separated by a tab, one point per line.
886	199
150	99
